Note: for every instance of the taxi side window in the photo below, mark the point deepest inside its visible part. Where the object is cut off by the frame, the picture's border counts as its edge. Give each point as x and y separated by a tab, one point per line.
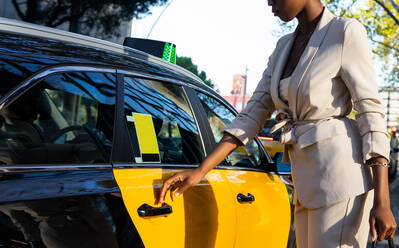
219	117
161	125
66	118
14	68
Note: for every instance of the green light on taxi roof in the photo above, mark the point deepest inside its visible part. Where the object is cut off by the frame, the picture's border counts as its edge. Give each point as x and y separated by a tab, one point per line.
169	52
173	55
166	52
160	49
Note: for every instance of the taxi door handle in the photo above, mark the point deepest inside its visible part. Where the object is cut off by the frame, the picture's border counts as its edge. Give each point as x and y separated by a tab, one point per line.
146	210
244	198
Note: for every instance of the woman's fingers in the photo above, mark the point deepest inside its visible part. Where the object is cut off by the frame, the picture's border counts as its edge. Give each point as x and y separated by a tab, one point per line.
166	186
178	183
387	229
382	225
172	191
181	186
382	231
391	232
373	231
181	189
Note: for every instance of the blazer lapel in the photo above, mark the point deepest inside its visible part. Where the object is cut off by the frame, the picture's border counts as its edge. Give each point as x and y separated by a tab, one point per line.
307	58
278	70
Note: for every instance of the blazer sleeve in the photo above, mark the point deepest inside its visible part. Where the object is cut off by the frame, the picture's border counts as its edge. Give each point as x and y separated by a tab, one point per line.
259	108
358	74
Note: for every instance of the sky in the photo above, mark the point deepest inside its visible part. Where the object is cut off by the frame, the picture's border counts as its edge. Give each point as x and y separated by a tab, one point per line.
221	36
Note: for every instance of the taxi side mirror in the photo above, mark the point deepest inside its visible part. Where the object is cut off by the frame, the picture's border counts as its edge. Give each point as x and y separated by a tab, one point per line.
280	167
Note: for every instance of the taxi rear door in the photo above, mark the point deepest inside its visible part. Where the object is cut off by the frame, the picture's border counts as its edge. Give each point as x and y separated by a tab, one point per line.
261	198
158	136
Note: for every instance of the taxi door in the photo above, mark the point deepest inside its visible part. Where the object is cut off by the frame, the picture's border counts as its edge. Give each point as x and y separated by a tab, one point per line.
261	199
263	208
161	137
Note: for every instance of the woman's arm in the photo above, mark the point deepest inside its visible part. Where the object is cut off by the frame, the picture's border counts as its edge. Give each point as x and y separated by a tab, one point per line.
358	74
381	217
239	132
183	180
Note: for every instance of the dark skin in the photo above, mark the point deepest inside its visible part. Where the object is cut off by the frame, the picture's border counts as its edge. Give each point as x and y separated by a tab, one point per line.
308	13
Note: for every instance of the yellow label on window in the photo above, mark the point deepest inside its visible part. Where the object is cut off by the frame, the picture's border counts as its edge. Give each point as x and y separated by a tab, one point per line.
146	138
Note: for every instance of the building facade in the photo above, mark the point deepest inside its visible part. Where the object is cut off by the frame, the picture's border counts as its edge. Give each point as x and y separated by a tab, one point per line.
237	93
390	99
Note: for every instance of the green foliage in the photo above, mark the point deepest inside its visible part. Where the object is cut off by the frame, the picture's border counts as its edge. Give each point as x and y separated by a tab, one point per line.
381	19
340	8
187	63
105	16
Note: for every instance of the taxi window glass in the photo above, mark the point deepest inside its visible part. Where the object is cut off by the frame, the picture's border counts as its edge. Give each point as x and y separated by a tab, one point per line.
158	115
14	68
65	119
219	117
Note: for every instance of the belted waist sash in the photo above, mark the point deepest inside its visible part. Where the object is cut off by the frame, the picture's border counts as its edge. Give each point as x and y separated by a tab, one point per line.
304	133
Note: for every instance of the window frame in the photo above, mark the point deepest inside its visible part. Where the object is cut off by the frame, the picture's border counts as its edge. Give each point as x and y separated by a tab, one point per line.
31	82
267	163
41	75
123	131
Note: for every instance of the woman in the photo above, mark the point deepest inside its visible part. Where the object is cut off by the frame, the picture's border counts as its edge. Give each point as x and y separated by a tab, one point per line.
314	77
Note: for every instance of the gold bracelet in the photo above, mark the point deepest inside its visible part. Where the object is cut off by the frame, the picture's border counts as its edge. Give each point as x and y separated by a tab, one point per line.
379	164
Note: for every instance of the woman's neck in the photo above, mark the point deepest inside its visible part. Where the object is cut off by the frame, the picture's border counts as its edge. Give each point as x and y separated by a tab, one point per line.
309	17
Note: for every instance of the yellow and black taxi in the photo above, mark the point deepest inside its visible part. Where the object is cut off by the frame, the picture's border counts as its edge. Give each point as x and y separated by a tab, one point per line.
90	129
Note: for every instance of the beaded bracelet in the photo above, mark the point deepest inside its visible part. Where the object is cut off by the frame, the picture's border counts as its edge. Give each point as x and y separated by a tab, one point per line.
379	164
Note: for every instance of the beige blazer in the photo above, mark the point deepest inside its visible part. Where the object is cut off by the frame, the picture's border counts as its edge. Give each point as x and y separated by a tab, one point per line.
326	149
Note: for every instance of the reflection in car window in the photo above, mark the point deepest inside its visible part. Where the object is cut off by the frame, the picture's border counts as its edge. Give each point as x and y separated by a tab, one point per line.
219	117
15	68
66	118
176	132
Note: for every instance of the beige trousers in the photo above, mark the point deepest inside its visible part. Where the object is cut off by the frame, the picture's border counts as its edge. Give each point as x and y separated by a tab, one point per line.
342	224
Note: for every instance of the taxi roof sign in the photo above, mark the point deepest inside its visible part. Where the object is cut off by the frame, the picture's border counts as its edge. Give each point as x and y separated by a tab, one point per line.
160	49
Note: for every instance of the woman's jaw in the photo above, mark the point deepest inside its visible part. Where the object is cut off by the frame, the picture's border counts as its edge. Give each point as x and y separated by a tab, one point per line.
287	10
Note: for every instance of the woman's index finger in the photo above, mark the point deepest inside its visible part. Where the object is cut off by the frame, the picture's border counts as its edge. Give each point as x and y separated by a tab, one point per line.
165	187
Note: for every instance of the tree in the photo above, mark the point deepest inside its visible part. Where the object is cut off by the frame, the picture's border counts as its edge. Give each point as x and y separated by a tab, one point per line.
187	63
104	16
381	19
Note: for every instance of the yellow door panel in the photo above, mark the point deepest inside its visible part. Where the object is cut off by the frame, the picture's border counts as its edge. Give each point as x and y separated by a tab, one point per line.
264	222
204	216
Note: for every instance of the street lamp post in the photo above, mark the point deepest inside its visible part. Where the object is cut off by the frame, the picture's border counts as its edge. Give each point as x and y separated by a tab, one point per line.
245	88
159	17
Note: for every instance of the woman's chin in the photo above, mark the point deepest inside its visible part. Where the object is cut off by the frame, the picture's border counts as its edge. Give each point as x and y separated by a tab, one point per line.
285	18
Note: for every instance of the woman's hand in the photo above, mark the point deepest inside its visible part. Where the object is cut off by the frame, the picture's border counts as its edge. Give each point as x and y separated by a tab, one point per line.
183	180
180	182
382	223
